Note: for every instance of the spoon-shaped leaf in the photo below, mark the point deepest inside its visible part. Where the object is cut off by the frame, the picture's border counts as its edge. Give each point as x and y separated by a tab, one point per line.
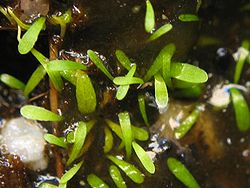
123	59
108	143
12	82
188	18
159	32
85	93
34	80
188	73
58	141
39	113
241	109
70	173
144	158
96	182
130	170
161	93
99	63
29	39
124	80
124	120
62	65
149	17
117	177
80	135
181	173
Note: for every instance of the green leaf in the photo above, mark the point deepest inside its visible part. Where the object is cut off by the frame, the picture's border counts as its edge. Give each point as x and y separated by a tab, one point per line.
58	141
182	173
47	185
142	108
188	73
117	177
4	11
124	80
188	18
165	55
123	59
85	93
187	124
149	17
69	75
161	93
124	120
144	158
130	170
161	31
99	63
34	80
39	113
80	135
29	39
241	110
64	65
115	128
95	182
17	20
108	143
70	173
12	82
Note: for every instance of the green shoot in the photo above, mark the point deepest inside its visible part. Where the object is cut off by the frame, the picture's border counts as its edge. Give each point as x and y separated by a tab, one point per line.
124	80
4	11
70	173
64	65
39	113
17	20
165	55
12	82
117	177
46	185
241	109
108	140
161	93
144	158
188	73
127	135
34	80
149	17
80	135
187	124
95	182
159	32
58	141
142	108
29	39
85	93
130	170
99	63
181	173
188	18
123	59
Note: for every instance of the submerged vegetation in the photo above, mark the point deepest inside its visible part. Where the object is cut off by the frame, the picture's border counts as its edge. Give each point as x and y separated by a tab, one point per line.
124	142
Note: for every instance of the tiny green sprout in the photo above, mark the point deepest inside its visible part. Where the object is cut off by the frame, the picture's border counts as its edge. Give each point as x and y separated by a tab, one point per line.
80	135
188	18
96	182
165	54
108	143
123	59
34	80
187	124
130	170
85	93
4	11
39	113
12	82
146	161
141	101
99	63
161	93
149	23
58	141
17	20
241	109
46	185
159	32
117	177
64	65
70	173
30	37
127	135
182	173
